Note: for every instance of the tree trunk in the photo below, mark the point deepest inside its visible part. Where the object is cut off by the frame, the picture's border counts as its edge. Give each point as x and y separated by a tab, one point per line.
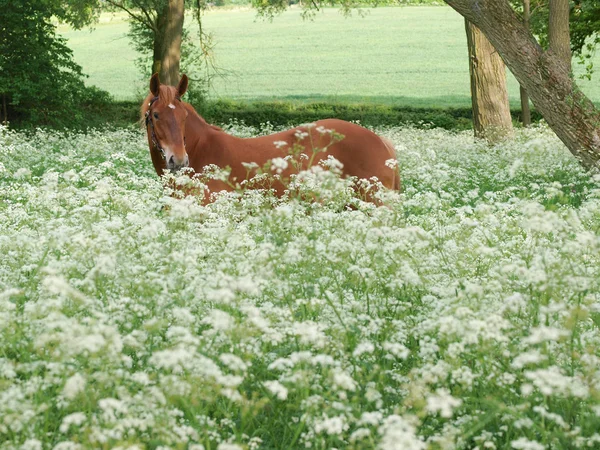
559	39
4	110
167	42
491	110
525	111
158	50
567	110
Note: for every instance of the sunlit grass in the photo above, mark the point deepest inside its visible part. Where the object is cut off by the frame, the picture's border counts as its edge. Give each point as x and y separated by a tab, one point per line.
413	56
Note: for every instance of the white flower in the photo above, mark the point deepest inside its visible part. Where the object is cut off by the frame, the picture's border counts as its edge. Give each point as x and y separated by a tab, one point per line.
528	358
67	445
322	130
344	381
219	320
300	135
363	347
543	334
526	444
396	349
309	333
331	426
72	419
332	164
31	444
279	165
73	386
233	362
280	144
229	446
391	163
443	403
399	434
360	434
277	389
370	418
22	173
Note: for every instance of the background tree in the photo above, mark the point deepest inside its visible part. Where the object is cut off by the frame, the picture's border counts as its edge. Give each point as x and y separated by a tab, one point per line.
525	110
166	47
39	81
567	110
489	96
584	23
157	25
583	38
585	30
559	39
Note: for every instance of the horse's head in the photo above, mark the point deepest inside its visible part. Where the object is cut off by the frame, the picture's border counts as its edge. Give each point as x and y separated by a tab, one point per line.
165	120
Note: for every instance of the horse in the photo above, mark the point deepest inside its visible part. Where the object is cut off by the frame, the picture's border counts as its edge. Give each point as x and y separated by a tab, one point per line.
178	137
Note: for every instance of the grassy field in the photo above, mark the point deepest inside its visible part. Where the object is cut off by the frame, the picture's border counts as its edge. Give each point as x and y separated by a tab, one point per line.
412	56
465	315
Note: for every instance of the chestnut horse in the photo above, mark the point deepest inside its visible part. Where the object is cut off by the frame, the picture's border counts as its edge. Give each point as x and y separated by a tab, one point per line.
178	137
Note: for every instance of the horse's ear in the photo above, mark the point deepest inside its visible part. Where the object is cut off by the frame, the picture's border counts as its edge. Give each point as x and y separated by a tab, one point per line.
155	85
183	85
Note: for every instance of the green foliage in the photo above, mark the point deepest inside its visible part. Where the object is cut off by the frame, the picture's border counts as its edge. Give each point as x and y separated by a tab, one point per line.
585	32
584	25
289	113
38	78
282	114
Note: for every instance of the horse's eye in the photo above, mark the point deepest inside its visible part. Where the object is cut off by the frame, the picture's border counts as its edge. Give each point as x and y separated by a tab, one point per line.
155	115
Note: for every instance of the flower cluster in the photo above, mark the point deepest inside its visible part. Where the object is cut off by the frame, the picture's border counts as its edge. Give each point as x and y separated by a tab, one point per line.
463	314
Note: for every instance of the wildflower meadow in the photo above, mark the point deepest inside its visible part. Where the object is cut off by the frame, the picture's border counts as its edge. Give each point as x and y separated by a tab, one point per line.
464	314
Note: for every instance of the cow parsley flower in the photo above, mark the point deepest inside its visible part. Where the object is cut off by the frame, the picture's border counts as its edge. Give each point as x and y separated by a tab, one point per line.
525	444
72	419
277	389
74	386
443	403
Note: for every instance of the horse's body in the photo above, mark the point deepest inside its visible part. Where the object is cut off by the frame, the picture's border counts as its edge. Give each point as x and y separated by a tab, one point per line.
362	153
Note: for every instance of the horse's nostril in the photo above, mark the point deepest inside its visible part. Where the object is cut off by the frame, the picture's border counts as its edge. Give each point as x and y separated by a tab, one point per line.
171	161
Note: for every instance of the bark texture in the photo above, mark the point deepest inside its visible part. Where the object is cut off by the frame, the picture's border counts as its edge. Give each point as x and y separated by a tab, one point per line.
559	39
167	42
525	110
489	97
567	110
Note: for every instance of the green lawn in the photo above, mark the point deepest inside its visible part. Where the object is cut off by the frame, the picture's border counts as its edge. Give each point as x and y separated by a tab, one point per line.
413	56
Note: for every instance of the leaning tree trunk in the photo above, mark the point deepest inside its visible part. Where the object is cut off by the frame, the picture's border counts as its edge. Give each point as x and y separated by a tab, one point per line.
167	42
525	110
567	110
559	39
489	97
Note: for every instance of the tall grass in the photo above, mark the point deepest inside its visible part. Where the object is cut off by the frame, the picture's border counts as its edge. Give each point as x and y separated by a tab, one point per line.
464	315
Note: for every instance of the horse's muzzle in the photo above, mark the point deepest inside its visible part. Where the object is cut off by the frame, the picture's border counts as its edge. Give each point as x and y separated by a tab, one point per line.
175	164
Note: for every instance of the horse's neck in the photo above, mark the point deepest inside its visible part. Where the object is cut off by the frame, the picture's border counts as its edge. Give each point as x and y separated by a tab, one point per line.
204	136
196	126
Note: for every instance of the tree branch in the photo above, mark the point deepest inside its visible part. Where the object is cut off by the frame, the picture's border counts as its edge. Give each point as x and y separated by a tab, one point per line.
148	22
151	20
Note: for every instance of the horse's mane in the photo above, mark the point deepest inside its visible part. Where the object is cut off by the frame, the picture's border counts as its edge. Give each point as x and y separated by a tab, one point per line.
166	95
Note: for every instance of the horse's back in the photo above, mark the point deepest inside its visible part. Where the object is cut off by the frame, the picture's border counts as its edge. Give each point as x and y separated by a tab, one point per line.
363	153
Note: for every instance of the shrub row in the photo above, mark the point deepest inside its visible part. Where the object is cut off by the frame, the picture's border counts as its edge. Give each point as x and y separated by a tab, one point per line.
124	114
289	113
